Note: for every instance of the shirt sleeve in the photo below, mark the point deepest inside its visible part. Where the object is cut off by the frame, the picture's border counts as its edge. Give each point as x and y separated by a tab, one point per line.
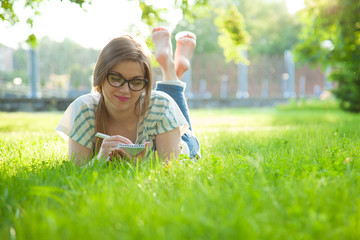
78	121
164	115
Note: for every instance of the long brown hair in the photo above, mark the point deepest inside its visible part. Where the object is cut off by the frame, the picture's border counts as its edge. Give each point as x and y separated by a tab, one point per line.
125	48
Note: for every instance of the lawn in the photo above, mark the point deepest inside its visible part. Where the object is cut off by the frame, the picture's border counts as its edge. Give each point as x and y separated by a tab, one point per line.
274	173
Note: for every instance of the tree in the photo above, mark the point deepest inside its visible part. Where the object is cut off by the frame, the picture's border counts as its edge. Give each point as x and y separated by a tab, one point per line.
205	29
233	36
54	59
20	69
20	65
270	28
80	76
151	15
226	24
331	37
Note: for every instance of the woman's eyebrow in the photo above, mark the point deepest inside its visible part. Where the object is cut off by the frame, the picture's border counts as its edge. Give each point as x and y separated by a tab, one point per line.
134	77
137	77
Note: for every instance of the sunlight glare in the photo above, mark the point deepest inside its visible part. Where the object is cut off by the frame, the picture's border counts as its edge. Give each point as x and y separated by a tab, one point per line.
294	5
95	25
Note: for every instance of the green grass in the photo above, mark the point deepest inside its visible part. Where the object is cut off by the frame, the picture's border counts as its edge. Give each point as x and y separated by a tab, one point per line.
282	173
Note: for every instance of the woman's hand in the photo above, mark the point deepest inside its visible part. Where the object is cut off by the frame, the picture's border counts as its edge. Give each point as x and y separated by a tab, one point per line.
108	148
141	155
119	152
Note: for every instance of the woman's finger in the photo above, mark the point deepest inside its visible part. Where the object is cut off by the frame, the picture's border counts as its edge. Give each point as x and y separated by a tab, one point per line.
118	139
117	152
142	154
109	147
113	141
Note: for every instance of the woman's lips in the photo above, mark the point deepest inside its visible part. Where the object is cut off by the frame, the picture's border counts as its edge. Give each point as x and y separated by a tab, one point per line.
122	99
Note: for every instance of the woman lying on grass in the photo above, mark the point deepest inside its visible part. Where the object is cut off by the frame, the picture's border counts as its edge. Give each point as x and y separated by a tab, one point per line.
124	107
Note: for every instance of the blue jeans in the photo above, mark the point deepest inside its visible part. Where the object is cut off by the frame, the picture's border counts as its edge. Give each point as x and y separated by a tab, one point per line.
177	93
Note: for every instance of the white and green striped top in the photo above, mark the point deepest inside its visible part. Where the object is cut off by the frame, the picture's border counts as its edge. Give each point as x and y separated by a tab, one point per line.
162	115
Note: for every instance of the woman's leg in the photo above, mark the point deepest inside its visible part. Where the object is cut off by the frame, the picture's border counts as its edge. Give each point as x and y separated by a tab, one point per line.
173	71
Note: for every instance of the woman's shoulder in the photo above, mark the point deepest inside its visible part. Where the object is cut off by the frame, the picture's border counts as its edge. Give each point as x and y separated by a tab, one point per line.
159	97
78	121
89	100
163	114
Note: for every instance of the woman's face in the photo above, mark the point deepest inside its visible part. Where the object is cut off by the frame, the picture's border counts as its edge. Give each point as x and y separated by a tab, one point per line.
123	99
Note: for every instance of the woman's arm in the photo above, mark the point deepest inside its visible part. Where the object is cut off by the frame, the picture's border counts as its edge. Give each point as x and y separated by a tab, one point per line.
78	153
168	144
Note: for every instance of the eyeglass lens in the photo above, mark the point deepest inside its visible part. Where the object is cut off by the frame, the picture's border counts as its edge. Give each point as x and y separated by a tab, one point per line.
134	84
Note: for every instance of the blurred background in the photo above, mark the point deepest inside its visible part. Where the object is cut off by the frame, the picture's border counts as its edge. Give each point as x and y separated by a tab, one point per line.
249	53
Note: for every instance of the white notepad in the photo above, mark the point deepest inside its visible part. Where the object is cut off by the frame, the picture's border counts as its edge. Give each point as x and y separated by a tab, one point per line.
132	149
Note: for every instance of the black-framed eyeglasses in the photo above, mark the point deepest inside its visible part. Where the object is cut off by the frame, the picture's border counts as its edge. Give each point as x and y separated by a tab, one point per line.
135	84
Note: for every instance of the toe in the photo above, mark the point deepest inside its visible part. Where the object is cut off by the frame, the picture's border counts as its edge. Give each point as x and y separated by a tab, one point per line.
186	34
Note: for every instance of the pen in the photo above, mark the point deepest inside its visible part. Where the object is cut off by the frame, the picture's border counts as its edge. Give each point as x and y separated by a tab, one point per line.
101	135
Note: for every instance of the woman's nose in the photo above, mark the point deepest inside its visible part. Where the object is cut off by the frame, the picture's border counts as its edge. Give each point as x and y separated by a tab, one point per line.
124	87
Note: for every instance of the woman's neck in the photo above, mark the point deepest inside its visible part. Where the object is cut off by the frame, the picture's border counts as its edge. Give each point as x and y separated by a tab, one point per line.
124	124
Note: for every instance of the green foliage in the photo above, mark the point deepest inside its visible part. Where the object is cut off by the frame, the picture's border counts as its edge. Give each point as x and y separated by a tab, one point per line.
151	15
54	59
225	24
268	24
205	31
9	76
348	89
32	40
193	9
7	12
233	37
20	59
310	104
154	16
331	37
271	27
264	174
80	76
20	67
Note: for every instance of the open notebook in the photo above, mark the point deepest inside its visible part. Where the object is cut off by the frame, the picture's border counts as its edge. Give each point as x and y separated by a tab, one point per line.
132	149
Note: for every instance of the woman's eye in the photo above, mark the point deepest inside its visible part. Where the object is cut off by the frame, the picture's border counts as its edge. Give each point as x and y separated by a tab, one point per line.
137	82
115	78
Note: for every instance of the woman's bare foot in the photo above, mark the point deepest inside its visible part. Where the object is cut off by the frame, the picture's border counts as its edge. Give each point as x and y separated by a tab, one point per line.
163	52
185	45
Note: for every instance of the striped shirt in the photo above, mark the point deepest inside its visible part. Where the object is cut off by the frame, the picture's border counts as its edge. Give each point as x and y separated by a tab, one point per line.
162	115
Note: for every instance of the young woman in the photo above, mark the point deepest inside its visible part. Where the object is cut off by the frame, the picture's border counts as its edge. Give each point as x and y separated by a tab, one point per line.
125	108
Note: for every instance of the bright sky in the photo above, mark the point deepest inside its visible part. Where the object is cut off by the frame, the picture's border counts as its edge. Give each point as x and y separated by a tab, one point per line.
294	5
95	27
